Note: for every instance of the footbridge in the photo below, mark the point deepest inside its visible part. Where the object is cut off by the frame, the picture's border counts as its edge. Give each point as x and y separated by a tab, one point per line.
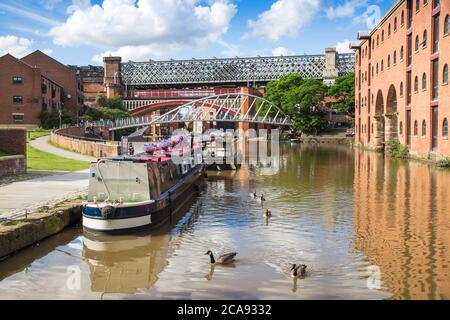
238	108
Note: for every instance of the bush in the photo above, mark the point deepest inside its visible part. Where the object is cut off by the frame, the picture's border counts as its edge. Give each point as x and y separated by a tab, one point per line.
50	120
444	163
396	149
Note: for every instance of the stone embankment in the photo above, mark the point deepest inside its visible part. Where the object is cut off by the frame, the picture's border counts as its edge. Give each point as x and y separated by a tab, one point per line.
37	226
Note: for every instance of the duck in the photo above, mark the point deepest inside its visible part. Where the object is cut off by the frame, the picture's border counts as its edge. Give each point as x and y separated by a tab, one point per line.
262	199
268	214
222	259
298	271
254	195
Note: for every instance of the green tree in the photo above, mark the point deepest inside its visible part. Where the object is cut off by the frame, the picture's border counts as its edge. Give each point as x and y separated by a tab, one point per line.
106	109
343	90
301	99
50	120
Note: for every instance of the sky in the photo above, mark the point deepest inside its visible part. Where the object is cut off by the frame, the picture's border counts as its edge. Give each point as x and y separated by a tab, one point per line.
81	32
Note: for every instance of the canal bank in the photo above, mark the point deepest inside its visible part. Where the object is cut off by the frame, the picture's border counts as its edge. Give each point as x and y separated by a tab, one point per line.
36	226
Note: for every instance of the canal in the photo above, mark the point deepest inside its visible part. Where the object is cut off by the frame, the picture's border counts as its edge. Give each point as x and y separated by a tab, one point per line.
367	227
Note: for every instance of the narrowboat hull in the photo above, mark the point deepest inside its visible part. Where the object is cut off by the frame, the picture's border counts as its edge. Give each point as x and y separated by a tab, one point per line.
127	217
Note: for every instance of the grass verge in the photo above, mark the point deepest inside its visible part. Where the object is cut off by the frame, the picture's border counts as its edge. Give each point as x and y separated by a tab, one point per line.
39	160
4	154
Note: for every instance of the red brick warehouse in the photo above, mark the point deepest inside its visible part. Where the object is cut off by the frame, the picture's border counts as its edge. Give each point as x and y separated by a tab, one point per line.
402	89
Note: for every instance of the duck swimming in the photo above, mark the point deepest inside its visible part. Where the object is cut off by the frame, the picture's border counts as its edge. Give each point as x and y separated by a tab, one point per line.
254	195
298	271
268	214
262	199
222	259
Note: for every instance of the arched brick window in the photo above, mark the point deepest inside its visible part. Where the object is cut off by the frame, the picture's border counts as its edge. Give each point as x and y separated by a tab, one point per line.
401	89
402	18
424	128
424	81
389	61
416	46
416	84
382	65
401	128
395	24
416	128
389	30
417	5
447	24
378	40
424	39
445	129
402	53
395	58
382	36
445	74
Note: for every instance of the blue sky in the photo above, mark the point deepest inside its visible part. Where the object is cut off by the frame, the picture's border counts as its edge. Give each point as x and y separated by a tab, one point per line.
80	32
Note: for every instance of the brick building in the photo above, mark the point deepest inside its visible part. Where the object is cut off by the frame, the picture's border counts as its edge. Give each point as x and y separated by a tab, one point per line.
402	89
93	85
33	84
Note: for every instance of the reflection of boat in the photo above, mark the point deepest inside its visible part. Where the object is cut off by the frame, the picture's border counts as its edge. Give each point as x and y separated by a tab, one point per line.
143	190
125	264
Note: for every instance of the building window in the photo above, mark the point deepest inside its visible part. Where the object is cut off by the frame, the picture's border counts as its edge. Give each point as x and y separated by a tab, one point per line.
436	33
18	99
436	3
417	5
382	36
389	30
416	84
377	68
17	80
395	58
395	24
445	129
424	128
402	18
409	88
401	128
445	75
402	53
446	24
378	40
382	65
18	117
425	2
425	39
435	94
389	62
424	81
416	128
410	49
417	44
401	89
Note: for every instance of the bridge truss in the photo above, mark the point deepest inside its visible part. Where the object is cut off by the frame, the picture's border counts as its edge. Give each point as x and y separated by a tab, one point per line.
230	70
238	107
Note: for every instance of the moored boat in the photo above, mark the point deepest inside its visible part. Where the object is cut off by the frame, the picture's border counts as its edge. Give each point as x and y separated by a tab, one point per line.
131	192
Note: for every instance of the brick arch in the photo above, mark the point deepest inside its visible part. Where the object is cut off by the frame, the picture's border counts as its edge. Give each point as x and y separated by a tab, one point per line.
379	103
391	102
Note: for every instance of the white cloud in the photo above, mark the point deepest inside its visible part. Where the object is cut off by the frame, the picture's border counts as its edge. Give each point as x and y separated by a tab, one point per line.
50	4
48	52
18	47
347	9
78	5
284	18
282	51
344	46
145	29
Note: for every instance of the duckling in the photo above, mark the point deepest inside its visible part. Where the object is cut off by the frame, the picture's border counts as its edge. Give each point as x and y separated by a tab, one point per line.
268	214
298	271
222	259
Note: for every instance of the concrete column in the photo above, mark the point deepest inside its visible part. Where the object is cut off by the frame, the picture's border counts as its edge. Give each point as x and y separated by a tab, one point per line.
378	134
113	76
330	73
391	130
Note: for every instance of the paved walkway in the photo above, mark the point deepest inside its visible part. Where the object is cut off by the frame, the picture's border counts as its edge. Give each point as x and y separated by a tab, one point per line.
44	145
17	197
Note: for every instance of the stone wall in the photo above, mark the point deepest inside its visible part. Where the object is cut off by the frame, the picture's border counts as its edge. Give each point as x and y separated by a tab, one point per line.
13	142
89	148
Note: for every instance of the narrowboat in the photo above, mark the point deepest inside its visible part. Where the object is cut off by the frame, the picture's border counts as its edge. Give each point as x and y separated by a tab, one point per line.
142	191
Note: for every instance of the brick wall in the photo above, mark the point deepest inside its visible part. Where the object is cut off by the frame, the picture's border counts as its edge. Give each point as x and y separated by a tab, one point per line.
13	141
93	149
12	165
79	132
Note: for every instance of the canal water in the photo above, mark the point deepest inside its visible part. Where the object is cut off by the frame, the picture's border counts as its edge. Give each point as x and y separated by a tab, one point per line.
366	227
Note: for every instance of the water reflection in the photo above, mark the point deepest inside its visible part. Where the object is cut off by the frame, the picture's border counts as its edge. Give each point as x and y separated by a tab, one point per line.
402	223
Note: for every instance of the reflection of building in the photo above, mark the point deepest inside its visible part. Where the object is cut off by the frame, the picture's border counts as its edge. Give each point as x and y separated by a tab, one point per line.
125	264
402	222
402	78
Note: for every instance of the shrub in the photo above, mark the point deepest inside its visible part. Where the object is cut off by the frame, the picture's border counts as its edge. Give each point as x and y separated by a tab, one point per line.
50	120
396	149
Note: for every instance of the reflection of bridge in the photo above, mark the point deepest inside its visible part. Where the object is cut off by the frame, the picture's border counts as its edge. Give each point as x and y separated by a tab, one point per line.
246	110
